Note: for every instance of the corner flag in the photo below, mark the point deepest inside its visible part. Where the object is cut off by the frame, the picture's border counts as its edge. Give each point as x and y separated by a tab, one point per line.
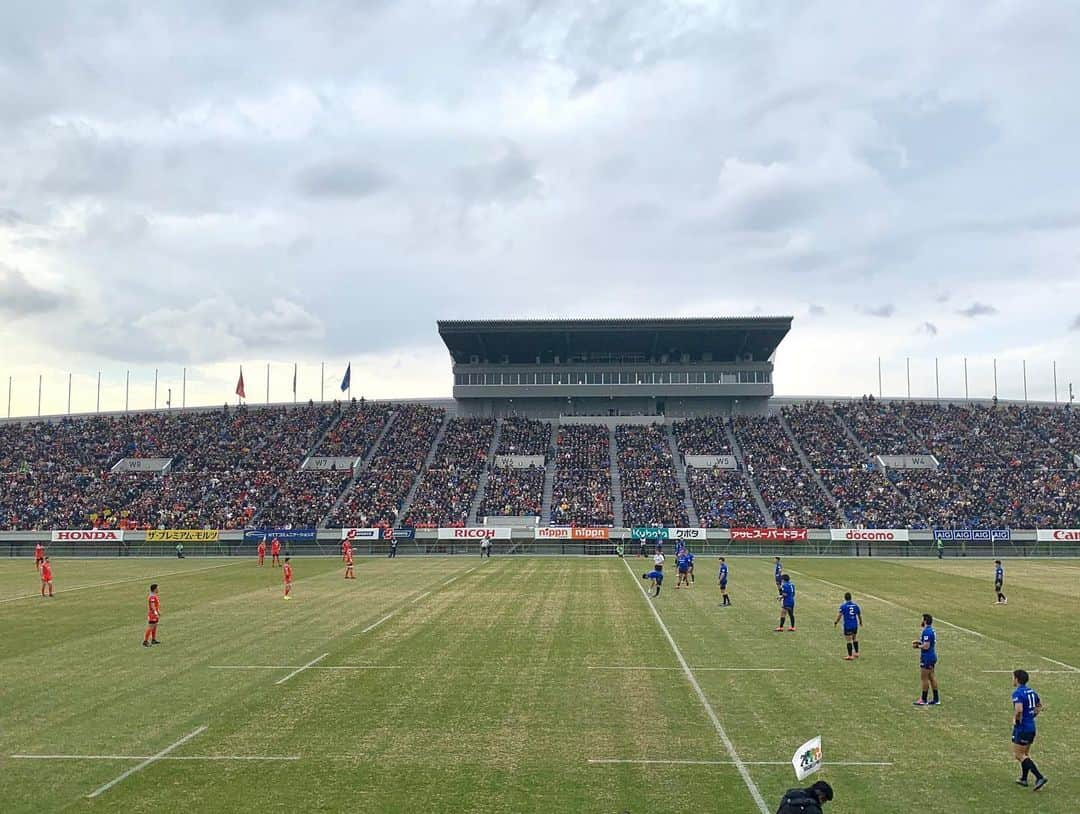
807	758
240	384
346	382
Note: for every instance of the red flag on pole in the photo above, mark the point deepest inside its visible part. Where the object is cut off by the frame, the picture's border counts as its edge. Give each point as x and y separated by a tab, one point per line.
240	384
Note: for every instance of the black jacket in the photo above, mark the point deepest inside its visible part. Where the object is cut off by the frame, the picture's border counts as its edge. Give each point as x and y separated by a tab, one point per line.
799	801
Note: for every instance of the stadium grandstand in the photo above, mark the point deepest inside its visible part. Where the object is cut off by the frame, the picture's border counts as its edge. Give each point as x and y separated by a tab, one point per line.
603	424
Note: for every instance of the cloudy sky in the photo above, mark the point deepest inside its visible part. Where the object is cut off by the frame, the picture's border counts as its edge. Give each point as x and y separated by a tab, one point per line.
217	182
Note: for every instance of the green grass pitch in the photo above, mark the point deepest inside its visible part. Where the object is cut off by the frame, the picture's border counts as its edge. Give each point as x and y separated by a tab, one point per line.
493	686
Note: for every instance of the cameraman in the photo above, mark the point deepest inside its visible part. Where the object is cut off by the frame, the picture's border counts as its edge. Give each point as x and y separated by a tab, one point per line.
806	801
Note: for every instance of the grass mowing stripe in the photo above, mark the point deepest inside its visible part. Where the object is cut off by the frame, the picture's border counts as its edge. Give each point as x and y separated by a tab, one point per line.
647	762
122	581
152	759
166	757
728	745
706	669
936	619
299	670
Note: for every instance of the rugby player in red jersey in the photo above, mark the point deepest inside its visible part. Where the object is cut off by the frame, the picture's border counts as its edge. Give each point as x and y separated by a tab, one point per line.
153	616
287	573
46	577
261	549
349	574
275	551
39	555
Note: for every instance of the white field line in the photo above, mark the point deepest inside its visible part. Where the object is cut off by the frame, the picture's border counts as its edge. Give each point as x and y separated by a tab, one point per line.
704	669
610	761
145	757
293	667
936	619
374	625
122	581
1041	672
449	580
729	747
417	599
299	670
470	571
146	762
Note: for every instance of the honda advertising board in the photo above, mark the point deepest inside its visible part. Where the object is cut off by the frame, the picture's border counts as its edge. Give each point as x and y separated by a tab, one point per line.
87	536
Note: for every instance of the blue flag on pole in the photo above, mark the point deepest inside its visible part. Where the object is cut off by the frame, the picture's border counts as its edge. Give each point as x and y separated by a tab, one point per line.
346	382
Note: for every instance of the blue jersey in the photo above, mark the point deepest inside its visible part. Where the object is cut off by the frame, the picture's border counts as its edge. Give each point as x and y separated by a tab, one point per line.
788	591
777	572
680	546
690	558
682	562
929	655
654	574
1030	700
850	613
723	572
999	574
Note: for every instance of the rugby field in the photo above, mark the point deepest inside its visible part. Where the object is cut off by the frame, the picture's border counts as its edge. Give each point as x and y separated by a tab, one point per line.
520	684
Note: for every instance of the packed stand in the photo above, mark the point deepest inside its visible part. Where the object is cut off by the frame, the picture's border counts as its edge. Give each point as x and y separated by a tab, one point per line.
581	493
702	436
789	491
305	498
447	488
722	498
378	493
651	494
356	431
66	500
524	436
513	492
880	427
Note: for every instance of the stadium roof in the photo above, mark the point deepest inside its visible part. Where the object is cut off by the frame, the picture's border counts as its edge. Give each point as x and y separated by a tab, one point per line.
521	341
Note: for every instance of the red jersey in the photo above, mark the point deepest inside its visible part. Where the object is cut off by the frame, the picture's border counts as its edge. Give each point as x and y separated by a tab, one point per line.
39	551
153	608
275	547
287	572
262	548
46	572
348	557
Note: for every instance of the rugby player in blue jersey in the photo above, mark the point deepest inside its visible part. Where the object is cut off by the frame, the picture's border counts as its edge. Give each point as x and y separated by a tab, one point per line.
723	577
690	557
657	578
1026	705
778	571
851	614
999	581
787	602
682	567
926	644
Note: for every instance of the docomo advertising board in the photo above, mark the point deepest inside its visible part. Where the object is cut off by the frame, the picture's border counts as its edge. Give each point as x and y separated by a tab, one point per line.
568	533
775	535
1058	535
480	533
87	536
870	535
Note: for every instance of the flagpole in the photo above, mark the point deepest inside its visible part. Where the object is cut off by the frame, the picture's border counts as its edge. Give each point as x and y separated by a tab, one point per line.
9	394
97	407
295	366
39	394
350	380
155	388
322	381
127	389
183	391
69	394
267	382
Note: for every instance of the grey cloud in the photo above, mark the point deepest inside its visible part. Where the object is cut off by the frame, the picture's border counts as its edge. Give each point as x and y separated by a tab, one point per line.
929	328
342	179
1075	324
20	298
507	179
886	310
977	309
816	310
9	217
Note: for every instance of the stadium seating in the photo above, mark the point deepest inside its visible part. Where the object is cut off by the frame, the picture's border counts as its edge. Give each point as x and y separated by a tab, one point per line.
1000	465
581	494
650	490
